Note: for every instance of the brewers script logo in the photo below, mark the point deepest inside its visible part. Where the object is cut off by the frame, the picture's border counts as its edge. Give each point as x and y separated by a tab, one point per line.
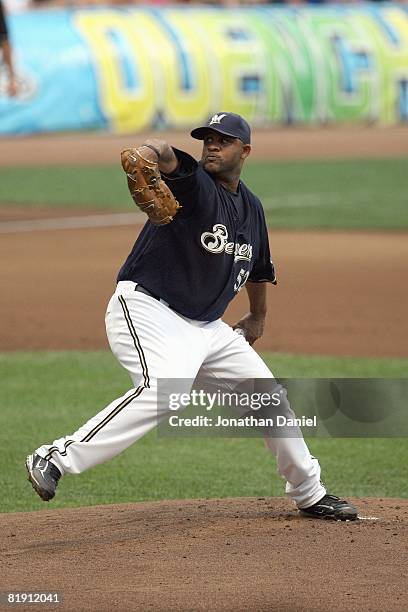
217	242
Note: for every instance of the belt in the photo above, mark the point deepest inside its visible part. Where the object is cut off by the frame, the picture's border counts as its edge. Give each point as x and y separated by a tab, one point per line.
150	294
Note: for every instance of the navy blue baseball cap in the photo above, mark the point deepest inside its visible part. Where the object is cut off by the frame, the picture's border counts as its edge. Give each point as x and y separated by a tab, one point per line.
229	124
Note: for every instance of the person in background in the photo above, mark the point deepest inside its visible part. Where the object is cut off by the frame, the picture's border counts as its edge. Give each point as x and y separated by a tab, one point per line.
6	54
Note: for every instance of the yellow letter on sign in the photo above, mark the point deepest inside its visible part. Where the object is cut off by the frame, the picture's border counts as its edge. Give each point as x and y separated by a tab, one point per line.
189	93
124	62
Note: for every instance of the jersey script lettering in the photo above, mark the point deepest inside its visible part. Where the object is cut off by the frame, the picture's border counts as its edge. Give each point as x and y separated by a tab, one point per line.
217	242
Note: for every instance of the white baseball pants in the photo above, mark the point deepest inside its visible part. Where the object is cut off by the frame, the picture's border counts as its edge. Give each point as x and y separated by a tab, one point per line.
152	341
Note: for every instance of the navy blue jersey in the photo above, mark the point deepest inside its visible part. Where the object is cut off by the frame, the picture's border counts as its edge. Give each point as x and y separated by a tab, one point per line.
202	259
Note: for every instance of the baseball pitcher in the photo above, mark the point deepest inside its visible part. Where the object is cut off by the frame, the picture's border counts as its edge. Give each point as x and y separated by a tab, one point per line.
204	240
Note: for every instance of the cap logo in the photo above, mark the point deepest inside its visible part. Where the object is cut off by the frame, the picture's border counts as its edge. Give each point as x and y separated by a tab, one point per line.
217	118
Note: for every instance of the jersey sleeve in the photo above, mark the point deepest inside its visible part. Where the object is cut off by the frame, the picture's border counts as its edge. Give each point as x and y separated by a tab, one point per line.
188	183
263	270
184	178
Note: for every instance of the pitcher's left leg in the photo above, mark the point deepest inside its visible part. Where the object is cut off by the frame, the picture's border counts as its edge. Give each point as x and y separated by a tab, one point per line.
231	357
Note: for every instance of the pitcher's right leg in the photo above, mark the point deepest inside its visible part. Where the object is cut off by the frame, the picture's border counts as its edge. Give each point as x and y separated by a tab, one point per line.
151	342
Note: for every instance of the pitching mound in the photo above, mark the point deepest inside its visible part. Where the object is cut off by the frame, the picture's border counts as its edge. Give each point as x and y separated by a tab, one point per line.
228	554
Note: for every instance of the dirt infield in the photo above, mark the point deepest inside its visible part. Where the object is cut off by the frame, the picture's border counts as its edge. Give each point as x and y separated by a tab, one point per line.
280	143
229	554
339	294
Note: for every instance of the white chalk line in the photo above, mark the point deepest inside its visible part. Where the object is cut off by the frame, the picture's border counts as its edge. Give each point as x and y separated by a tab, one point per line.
310	200
66	223
368	518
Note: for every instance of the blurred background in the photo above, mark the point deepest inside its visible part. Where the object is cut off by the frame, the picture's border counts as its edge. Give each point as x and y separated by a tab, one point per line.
127	68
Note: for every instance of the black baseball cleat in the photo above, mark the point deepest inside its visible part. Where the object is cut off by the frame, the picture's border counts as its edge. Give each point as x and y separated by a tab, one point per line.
43	475
331	507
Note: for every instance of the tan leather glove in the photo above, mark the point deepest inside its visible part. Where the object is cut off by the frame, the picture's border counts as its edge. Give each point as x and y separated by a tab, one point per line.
147	188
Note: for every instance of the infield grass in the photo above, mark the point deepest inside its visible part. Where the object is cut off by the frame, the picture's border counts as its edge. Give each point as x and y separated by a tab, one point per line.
47	395
339	194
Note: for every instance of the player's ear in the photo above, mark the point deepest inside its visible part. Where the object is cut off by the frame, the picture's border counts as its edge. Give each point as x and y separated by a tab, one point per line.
246	149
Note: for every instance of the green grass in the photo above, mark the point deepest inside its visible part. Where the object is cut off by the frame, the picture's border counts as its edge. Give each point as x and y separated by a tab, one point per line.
339	194
95	187
48	395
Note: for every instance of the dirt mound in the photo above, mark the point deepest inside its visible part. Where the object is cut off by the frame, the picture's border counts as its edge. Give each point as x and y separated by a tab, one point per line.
224	554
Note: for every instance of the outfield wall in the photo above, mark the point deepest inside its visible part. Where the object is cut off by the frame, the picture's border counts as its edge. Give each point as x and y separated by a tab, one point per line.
128	70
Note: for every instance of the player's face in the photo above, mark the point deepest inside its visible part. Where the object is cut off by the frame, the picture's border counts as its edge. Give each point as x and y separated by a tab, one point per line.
223	154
